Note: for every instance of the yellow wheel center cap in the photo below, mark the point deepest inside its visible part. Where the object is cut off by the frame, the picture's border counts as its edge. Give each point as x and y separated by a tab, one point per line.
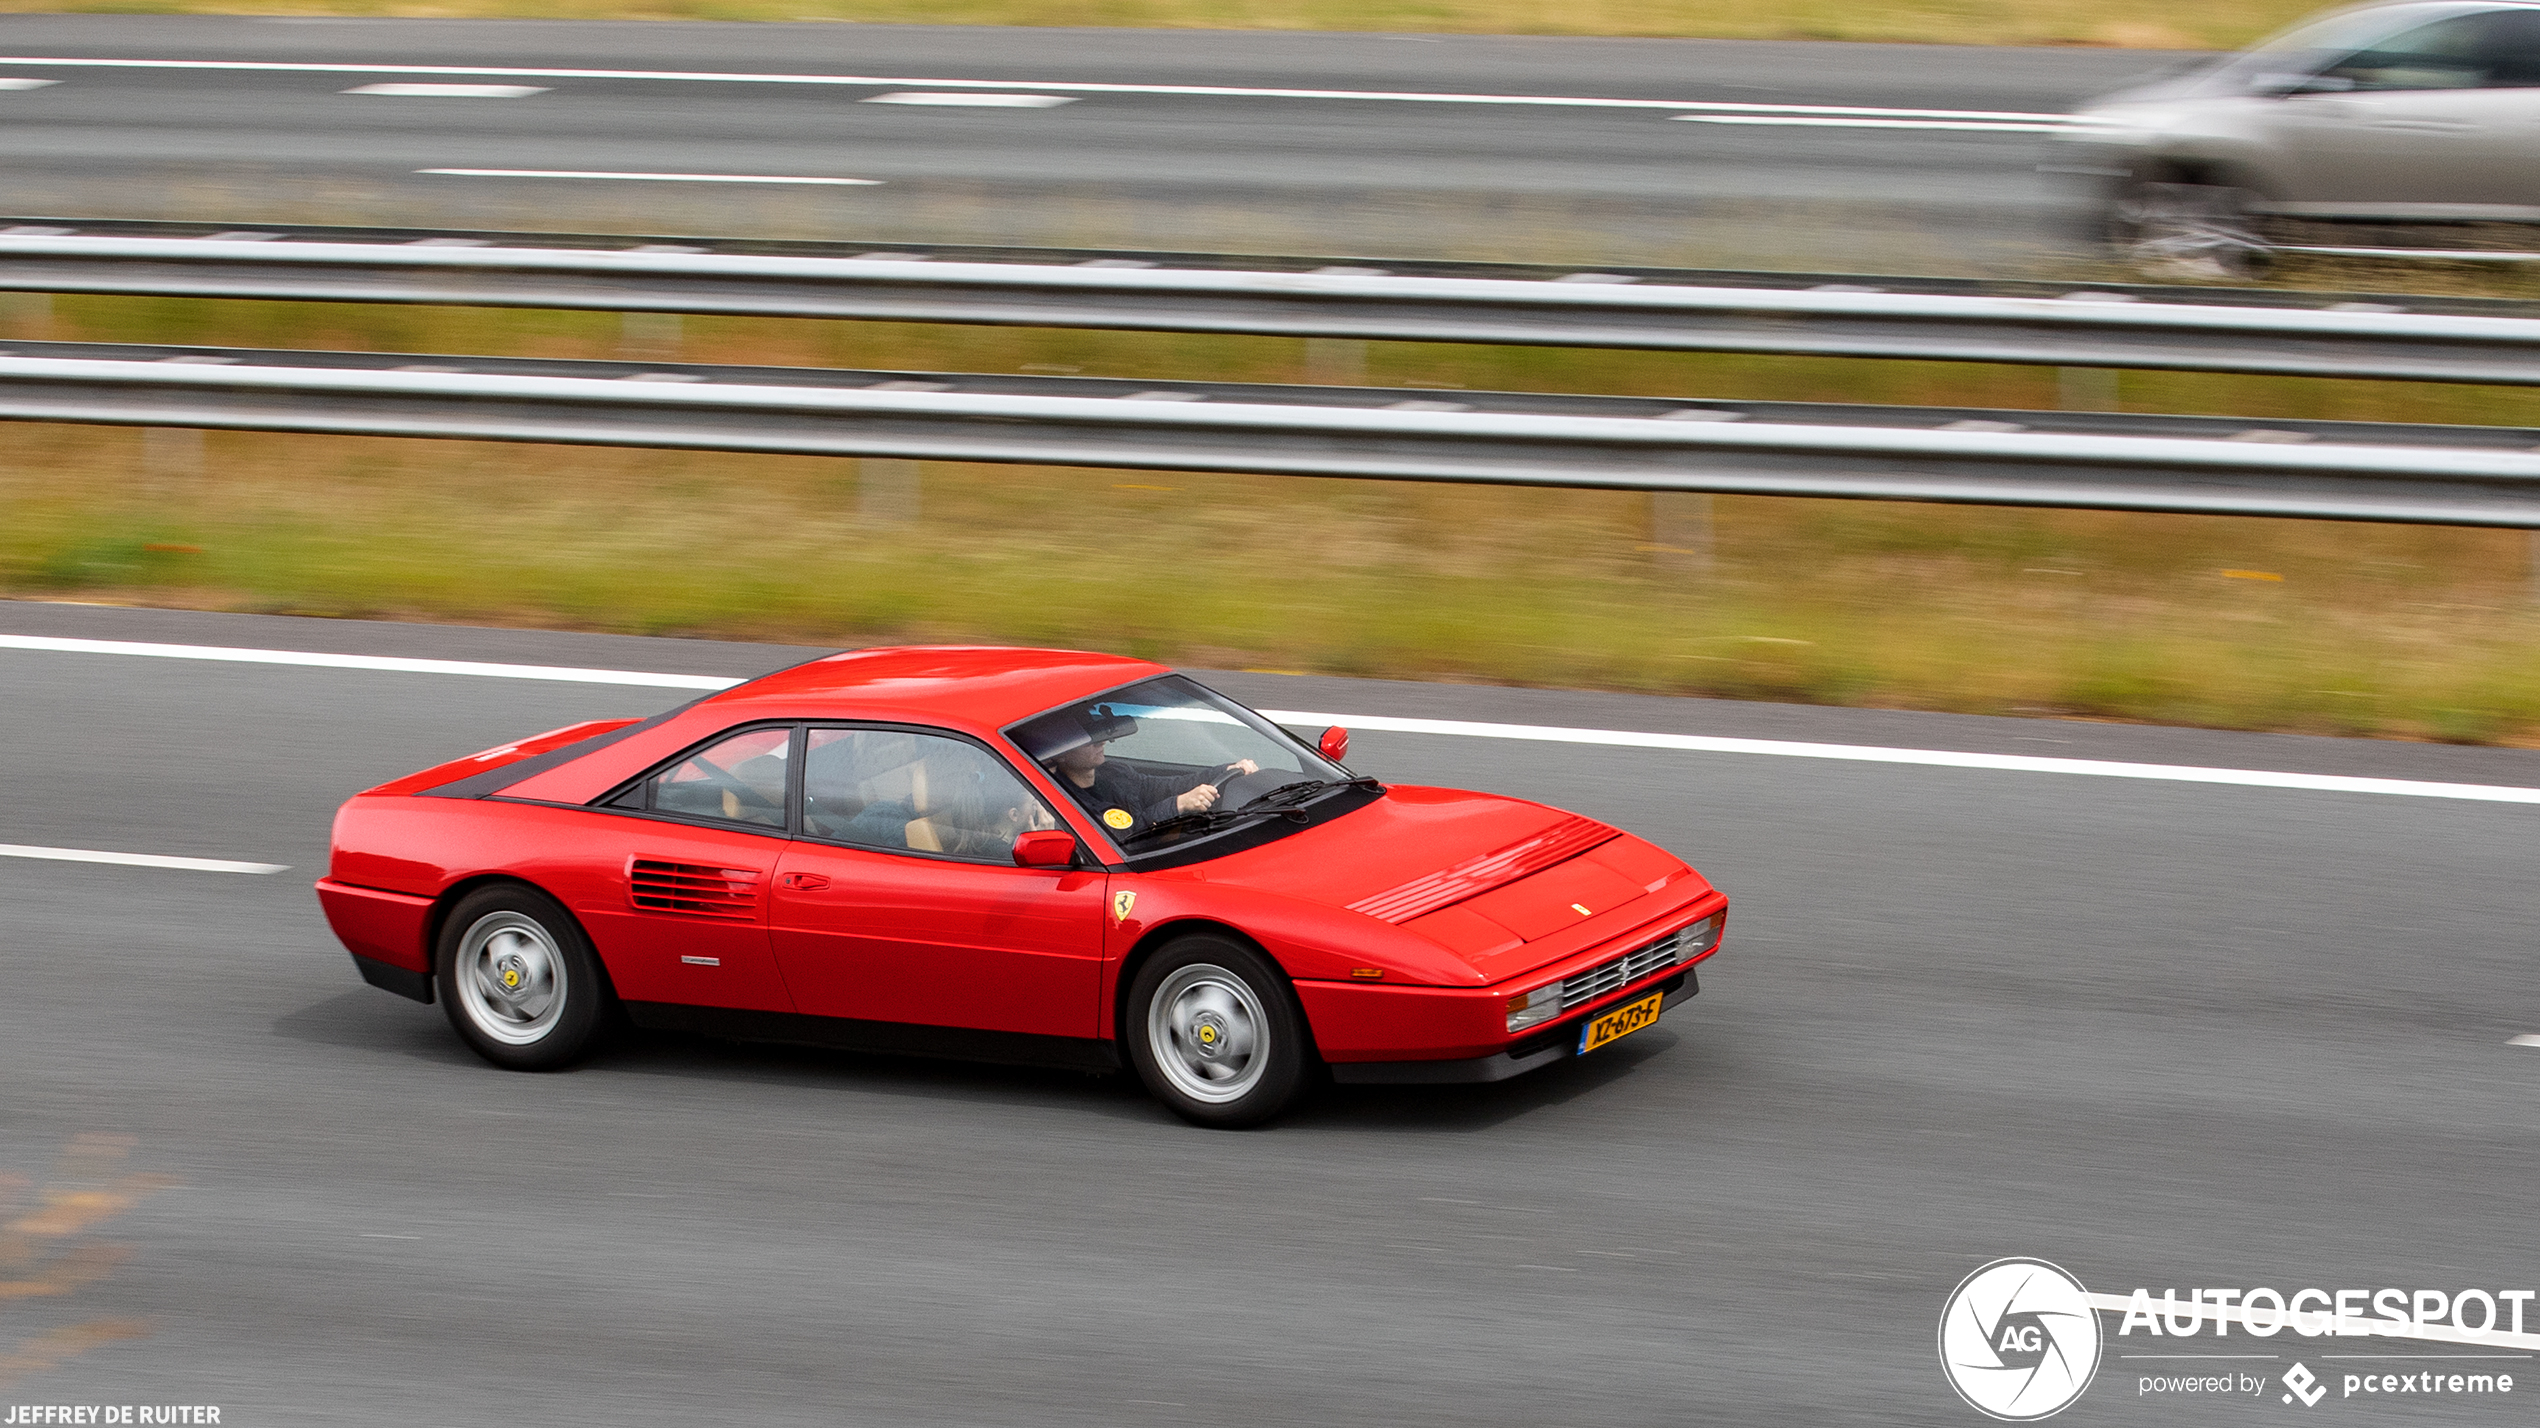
511	977
1208	1036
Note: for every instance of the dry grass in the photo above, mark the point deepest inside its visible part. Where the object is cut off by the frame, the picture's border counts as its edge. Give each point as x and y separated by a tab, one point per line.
2153	24
2391	631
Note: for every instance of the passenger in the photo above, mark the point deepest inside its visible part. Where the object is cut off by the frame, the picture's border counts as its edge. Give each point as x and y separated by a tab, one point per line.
966	822
1121	798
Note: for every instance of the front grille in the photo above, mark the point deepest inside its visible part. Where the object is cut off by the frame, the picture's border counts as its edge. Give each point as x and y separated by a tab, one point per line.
659	885
1584	987
1569	1032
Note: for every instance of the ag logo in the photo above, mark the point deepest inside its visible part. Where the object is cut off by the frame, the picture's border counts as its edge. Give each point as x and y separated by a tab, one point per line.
2019	1340
1116	818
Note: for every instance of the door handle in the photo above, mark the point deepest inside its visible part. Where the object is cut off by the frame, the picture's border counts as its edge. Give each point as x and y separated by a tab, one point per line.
803	882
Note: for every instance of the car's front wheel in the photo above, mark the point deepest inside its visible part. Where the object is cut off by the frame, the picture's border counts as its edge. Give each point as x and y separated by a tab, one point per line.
2191	230
1216	1033
518	979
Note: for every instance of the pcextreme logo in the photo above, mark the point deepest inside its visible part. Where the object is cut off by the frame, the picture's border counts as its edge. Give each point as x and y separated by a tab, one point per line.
2019	1340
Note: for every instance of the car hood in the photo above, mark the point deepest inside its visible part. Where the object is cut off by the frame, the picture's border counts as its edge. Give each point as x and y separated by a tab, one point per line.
1503	884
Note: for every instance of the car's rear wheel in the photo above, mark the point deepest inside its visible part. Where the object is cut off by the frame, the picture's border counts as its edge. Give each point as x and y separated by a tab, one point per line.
1216	1033
518	979
2190	230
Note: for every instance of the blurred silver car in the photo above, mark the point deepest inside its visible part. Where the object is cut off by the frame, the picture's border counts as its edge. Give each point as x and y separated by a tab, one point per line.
2422	111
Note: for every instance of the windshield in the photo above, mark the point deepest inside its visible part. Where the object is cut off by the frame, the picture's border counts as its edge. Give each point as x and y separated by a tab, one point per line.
2308	48
1168	761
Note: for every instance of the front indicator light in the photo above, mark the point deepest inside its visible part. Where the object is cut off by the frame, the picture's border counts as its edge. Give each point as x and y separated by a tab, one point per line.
1701	937
1534	1008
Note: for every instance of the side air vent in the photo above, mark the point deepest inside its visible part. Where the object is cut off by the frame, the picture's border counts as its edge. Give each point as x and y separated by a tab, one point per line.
699	889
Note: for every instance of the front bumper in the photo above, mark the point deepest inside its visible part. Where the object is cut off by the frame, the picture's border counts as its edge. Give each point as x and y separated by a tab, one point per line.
1557	1042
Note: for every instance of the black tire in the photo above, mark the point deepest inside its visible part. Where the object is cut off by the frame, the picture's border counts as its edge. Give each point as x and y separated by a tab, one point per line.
1216	1033
552	1015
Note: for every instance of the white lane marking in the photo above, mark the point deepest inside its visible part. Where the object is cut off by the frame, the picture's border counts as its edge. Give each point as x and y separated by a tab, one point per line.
1930	758
970	99
451	91
645	178
1377	723
138	860
378	662
2526	1039
1820	121
10	82
862	81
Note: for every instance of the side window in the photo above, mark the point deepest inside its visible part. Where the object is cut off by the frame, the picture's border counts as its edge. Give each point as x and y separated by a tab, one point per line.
2514	49
2454	53
923	793
737	780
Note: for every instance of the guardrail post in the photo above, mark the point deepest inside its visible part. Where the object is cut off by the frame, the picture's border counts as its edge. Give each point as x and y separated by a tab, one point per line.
1680	531
2087	389
648	334
27	314
887	491
171	459
1336	361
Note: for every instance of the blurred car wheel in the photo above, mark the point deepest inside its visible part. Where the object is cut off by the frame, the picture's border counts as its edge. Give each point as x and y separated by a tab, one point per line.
518	979
2189	230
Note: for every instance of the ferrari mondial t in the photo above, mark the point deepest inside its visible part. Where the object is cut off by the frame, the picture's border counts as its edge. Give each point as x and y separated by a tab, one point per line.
1016	855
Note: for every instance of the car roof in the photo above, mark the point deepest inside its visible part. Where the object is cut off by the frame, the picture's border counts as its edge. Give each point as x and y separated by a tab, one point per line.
981	686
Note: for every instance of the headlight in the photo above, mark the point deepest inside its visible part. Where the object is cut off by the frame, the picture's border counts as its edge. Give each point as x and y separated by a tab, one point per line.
1534	1008
1701	937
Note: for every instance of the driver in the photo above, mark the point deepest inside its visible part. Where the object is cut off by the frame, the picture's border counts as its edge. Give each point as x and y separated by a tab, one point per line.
1122	798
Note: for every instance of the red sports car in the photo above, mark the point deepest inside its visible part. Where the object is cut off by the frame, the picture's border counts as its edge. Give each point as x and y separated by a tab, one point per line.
1016	855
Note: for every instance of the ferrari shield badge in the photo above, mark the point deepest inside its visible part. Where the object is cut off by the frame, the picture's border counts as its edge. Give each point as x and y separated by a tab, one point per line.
1117	818
1121	902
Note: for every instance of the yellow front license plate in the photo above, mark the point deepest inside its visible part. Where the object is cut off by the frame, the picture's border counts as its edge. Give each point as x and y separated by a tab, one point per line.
1622	1021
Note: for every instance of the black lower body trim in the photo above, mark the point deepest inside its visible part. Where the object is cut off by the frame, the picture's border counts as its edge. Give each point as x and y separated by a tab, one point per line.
1535	1052
388	976
890	1038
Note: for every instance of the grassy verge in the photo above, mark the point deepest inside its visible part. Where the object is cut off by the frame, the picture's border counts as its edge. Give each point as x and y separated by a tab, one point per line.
2151	24
2399	632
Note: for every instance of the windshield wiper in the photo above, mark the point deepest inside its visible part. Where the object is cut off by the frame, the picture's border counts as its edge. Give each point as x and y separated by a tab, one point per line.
1212	819
1288	795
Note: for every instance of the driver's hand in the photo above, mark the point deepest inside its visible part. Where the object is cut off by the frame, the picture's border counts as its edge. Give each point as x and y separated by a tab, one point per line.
1204	796
1245	766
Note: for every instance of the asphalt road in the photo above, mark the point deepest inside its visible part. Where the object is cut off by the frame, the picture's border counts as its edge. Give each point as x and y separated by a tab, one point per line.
2164	1035
1227	172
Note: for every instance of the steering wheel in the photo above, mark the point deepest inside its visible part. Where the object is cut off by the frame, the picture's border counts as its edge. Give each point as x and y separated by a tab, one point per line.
1242	789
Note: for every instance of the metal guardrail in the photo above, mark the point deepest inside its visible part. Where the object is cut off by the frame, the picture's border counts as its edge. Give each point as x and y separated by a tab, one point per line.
2322	335
2350	471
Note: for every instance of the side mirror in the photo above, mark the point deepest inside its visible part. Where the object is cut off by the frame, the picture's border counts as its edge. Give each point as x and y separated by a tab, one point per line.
1045	848
1334	744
